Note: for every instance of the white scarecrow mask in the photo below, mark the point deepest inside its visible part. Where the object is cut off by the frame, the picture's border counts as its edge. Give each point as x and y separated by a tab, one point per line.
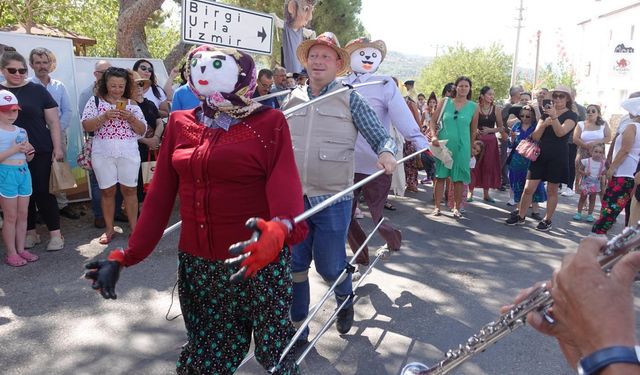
213	72
366	60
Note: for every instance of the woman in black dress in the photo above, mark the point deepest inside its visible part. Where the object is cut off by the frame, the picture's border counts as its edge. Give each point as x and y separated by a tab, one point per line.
552	132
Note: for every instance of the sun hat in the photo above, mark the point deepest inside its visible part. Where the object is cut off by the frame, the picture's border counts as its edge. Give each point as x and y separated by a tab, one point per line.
326	39
632	105
364	42
563	89
136	76
8	101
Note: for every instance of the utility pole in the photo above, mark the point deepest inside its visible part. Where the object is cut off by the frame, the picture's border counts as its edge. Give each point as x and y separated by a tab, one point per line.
535	71
515	55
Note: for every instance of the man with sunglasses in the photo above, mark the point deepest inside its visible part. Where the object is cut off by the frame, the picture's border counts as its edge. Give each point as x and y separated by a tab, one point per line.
43	63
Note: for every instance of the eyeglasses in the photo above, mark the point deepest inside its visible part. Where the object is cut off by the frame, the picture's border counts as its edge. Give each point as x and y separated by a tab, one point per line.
591	111
455	115
145	68
18	70
558	96
140	84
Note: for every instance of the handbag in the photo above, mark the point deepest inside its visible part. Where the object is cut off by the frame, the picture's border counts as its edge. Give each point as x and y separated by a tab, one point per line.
61	177
529	149
148	168
84	157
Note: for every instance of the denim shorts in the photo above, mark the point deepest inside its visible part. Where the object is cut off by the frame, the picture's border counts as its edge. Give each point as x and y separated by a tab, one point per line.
15	181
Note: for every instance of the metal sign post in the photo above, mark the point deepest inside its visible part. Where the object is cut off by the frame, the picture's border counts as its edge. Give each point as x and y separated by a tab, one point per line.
209	22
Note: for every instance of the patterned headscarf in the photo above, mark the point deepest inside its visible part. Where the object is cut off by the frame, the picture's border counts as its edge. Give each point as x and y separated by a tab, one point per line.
238	103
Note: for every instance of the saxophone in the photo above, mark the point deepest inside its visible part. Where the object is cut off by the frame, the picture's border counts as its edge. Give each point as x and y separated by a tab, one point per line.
538	300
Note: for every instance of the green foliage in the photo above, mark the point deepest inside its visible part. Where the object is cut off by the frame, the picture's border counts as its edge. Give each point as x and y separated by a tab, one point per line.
484	66
161	40
550	76
339	17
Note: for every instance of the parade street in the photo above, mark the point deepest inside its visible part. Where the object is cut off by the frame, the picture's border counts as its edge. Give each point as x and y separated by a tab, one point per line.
449	279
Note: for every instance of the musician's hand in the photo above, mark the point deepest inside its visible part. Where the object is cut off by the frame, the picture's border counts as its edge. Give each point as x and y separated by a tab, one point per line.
387	161
595	309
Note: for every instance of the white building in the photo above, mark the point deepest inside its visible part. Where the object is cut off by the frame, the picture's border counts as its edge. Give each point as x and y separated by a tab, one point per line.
607	64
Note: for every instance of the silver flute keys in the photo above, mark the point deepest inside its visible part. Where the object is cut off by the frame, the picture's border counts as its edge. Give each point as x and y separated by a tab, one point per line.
538	300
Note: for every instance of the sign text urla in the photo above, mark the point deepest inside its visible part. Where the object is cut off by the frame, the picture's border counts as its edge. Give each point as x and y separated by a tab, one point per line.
208	22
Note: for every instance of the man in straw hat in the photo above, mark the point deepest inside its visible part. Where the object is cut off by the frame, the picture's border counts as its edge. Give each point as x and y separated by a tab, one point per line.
387	101
43	63
324	135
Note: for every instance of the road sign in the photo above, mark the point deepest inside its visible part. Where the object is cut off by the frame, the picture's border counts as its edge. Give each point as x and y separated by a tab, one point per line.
209	22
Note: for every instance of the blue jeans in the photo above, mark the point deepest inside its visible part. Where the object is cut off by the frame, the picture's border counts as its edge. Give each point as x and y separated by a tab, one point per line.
325	245
95	198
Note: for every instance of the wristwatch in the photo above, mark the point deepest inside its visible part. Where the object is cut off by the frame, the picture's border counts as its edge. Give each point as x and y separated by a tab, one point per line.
598	360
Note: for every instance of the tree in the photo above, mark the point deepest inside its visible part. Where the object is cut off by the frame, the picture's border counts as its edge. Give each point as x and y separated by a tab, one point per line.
484	66
551	76
131	37
339	17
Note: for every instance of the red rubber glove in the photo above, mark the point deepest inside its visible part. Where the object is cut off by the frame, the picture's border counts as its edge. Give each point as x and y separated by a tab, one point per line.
262	249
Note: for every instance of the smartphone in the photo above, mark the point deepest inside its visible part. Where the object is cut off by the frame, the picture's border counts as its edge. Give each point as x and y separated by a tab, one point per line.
121	105
546	103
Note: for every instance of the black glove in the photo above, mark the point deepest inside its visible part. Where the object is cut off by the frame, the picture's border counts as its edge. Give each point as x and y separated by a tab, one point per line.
105	274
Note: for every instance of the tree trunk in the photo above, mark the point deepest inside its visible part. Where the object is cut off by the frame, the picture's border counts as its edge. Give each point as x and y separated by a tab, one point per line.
176	54
131	40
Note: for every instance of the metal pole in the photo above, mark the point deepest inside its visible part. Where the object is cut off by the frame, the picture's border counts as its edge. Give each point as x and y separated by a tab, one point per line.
535	71
515	55
335	313
272	95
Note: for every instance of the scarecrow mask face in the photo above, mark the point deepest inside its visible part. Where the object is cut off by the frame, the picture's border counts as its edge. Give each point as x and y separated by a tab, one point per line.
366	60
213	71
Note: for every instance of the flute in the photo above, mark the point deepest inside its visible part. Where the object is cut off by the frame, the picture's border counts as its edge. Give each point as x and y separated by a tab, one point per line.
538	300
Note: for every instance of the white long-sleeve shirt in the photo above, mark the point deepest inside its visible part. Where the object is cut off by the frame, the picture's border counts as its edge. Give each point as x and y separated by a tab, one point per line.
389	105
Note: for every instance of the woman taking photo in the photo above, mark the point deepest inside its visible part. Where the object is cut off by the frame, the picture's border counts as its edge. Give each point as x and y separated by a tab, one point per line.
519	165
152	90
620	174
552	133
592	131
39	117
117	123
459	126
486	174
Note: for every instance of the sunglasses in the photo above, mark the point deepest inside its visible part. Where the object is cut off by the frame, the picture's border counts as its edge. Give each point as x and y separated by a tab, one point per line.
558	96
145	68
525	116
18	70
140	84
591	111
118	72
455	115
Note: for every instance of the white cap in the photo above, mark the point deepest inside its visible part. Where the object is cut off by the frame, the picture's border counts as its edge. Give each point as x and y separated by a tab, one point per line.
8	101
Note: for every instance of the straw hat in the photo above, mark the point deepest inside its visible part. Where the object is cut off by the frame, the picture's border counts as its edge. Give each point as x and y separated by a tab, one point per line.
365	42
326	39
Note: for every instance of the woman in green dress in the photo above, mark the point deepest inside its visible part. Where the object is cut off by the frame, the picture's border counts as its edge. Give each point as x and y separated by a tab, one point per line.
459	128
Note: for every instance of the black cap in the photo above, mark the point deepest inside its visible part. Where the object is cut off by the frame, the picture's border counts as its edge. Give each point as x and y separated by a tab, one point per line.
409	82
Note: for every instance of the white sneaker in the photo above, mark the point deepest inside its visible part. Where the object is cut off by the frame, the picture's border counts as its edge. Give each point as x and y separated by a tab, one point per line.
568	193
31	241
55	243
360	271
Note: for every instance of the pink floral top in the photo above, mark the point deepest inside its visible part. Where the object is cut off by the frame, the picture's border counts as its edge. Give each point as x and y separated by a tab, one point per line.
114	138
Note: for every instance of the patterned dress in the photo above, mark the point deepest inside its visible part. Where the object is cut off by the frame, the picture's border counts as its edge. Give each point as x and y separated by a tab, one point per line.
519	165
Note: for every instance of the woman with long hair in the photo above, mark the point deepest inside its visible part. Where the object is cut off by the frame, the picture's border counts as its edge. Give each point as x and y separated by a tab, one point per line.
152	90
594	130
459	127
552	133
487	174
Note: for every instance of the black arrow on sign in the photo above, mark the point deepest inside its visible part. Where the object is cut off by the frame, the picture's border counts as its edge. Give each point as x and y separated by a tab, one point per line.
262	34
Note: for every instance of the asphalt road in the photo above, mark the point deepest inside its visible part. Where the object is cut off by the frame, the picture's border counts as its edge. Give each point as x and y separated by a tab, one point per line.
449	279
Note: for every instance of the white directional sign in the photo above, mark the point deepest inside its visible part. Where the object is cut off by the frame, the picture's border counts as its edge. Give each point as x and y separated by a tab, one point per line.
209	22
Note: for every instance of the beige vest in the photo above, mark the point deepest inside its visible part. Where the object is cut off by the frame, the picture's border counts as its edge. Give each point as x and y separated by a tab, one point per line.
324	138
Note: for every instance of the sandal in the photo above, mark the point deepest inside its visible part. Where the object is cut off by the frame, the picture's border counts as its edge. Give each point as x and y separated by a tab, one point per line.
105	239
389	206
15	261
29	257
436	212
457	214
